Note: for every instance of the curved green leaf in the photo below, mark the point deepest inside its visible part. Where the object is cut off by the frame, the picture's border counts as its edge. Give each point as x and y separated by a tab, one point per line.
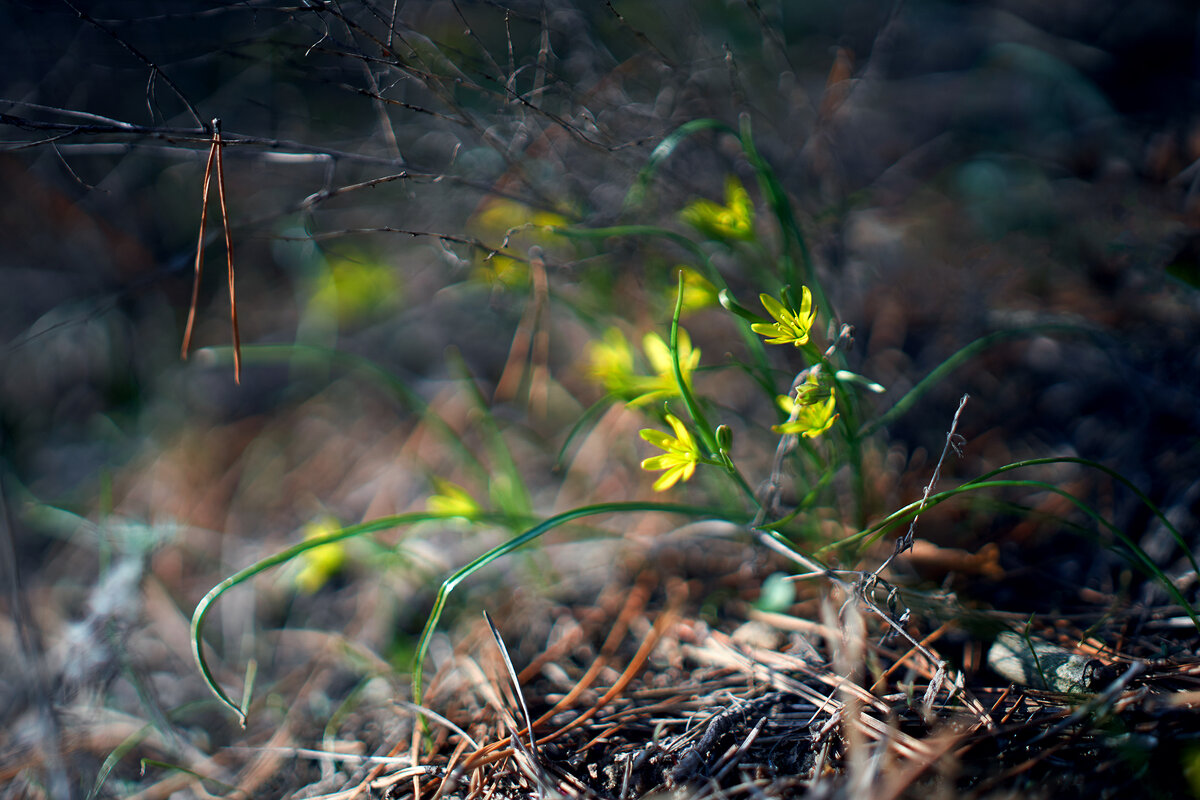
663	151
449	585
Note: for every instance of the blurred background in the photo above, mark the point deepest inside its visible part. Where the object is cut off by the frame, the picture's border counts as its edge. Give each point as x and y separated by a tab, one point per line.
960	171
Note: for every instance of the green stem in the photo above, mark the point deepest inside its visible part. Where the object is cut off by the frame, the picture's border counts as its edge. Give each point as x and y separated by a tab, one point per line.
777	198
689	398
707	434
439	603
1137	557
206	603
956	360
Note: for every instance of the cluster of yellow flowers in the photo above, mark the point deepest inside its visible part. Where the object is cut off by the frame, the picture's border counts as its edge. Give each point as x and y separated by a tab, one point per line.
810	413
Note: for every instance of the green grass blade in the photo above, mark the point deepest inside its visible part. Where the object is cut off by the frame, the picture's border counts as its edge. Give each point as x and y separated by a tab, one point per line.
585	421
1117	476
524	538
1138	557
664	150
282	557
113	758
781	207
955	361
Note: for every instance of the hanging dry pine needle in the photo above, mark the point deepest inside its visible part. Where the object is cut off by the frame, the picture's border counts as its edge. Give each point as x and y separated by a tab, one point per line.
214	157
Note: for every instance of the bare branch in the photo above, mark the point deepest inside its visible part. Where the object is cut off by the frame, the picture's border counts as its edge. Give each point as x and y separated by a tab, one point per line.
154	68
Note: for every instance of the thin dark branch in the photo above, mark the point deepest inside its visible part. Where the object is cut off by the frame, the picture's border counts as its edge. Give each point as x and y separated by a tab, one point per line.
641	37
155	69
444	237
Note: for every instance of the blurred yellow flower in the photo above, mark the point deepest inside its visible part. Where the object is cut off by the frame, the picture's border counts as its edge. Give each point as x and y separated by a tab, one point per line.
503	270
451	498
790	326
680	458
732	221
611	364
351	287
320	563
663	384
808	414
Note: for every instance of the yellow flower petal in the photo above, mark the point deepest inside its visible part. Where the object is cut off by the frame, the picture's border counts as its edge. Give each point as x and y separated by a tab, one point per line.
657	438
666	480
681	433
654	463
680	458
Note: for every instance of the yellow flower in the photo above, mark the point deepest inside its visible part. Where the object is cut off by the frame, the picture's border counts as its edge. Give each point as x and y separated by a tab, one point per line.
349	288
662	384
808	415
320	563
734	220
790	326
680	458
611	364
452	499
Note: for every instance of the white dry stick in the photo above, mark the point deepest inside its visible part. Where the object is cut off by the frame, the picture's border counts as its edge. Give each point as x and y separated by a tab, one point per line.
952	437
516	684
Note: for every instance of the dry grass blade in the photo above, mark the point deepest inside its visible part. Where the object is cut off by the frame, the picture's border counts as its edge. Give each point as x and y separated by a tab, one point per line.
191	320
500	750
953	441
530	343
516	684
215	158
661	626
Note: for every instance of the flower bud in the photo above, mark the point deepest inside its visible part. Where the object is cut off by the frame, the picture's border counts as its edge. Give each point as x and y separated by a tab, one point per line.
724	438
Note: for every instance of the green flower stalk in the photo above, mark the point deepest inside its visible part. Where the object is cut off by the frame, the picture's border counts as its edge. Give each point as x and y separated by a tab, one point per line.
698	291
681	456
663	384
790	326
